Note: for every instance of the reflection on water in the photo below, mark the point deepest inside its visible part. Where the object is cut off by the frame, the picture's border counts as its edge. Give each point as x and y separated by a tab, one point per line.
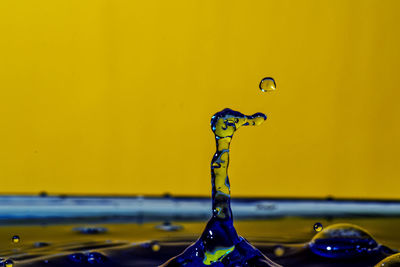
285	241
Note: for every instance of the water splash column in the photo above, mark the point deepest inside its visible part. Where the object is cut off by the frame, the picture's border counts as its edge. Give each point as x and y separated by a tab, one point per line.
224	124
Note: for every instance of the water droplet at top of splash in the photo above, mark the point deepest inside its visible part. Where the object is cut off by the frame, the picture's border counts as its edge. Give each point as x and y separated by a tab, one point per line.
219	243
318	227
15	239
267	85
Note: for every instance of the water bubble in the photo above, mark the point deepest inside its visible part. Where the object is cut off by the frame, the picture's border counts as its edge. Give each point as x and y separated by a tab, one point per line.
279	251
267	84
391	261
15	239
318	227
343	241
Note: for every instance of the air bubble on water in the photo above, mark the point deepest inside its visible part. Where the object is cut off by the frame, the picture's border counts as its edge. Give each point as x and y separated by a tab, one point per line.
267	84
318	227
343	240
15	239
279	251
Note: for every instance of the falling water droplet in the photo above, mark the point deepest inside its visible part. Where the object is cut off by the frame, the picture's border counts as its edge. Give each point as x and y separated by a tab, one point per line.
267	84
318	227
15	239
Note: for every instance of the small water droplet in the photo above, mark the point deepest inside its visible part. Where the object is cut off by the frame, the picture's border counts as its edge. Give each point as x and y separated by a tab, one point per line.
267	84
279	251
15	239
155	247
318	227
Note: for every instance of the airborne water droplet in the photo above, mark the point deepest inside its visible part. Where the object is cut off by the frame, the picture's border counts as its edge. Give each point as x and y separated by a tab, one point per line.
318	227
267	84
15	239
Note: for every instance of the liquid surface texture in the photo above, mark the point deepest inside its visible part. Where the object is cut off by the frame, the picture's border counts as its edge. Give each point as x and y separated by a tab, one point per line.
284	240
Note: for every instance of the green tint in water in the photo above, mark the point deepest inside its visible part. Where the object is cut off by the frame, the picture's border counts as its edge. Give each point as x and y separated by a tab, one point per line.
220	245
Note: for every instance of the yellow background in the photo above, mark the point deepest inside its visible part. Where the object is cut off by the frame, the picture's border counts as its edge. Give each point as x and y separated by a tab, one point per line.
115	97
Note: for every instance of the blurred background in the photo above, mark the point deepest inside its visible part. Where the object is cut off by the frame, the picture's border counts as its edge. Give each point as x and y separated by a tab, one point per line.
115	97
